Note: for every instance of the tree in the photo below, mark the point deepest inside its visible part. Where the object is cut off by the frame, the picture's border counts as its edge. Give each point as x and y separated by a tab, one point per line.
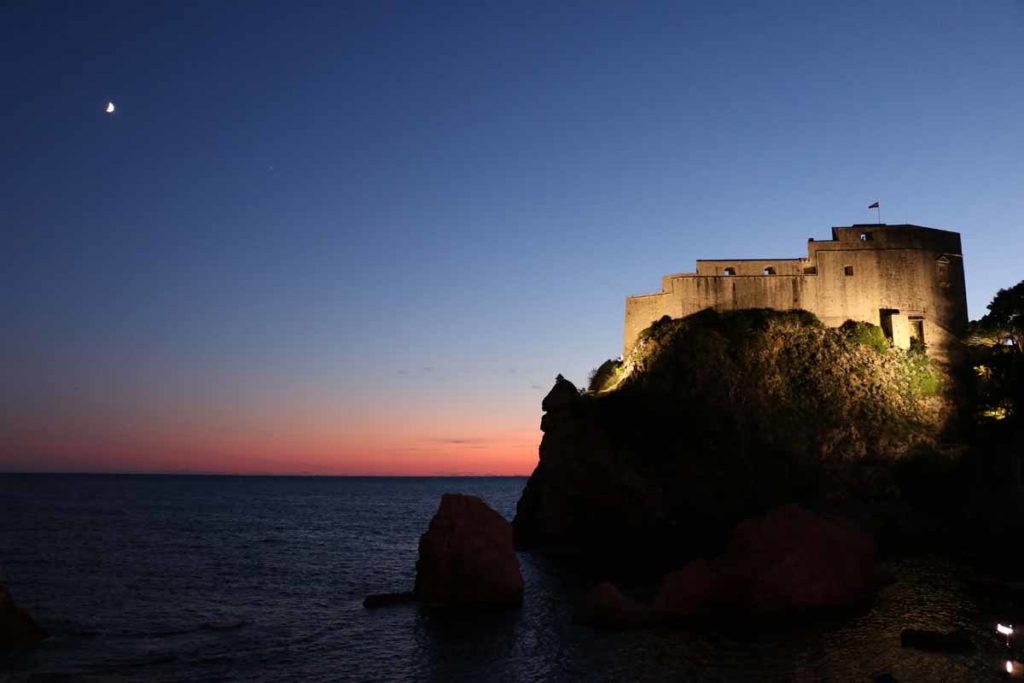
996	346
1005	318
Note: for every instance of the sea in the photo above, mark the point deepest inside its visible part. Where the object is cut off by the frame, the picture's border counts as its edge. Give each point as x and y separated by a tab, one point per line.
222	578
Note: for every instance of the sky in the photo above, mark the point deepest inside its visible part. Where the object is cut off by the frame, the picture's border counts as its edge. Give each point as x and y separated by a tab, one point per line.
364	238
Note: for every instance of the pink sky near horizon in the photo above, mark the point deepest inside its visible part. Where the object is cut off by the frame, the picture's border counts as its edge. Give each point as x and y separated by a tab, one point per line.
138	415
505	453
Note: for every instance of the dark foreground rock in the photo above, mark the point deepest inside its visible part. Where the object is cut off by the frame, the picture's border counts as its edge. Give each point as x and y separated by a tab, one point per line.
17	627
792	559
607	606
693	590
788	560
467	557
937	641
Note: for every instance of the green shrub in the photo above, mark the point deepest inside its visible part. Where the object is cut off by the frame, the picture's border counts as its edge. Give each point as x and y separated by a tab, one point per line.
866	334
605	376
924	378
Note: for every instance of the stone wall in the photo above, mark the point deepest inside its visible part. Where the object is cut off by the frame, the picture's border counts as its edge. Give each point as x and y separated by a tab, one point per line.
907	279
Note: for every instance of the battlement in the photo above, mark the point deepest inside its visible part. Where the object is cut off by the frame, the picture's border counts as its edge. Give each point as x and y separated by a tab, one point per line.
908	279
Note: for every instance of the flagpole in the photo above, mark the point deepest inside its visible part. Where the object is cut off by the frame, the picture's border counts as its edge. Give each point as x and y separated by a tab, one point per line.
879	207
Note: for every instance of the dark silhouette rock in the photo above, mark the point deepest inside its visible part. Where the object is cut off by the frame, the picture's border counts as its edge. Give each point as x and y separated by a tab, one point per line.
937	641
467	556
607	606
792	559
563	395
788	560
581	496
387	599
17	627
688	592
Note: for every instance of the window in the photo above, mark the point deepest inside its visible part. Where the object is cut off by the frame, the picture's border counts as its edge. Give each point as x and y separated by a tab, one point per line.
811	270
848	270
865	237
769	271
917	329
942	271
729	271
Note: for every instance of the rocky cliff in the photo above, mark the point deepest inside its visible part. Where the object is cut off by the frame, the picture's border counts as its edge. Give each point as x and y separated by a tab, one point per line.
719	416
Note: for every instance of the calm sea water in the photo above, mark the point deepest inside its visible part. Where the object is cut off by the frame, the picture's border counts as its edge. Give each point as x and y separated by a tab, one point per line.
167	578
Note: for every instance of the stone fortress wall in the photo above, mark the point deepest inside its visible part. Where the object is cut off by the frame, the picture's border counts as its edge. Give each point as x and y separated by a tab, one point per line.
907	279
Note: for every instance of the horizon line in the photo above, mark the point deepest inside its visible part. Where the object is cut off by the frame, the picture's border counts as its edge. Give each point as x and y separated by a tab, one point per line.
264	474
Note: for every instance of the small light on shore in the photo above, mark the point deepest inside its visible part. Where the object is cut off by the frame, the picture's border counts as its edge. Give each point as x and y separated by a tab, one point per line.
1009	666
1005	630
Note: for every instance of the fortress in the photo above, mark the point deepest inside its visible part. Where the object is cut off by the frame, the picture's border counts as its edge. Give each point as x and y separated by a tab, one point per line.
905	278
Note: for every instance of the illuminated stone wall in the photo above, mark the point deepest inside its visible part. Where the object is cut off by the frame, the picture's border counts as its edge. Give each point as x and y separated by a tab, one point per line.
904	278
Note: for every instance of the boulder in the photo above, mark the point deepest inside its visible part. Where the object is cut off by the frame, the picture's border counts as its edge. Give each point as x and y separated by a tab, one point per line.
17	627
467	557
788	560
690	591
792	559
607	606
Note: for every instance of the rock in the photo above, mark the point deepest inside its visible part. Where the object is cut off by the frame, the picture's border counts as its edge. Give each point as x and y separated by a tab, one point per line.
17	627
467	556
605	605
387	599
563	395
690	591
580	499
792	559
937	641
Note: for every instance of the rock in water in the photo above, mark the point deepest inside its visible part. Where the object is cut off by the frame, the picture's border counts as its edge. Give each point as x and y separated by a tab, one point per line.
690	591
607	606
467	556
17	627
792	559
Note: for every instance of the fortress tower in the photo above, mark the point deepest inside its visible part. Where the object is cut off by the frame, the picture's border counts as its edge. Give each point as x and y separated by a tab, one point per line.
905	278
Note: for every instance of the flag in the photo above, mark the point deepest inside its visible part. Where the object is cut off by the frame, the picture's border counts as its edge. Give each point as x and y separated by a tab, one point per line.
874	206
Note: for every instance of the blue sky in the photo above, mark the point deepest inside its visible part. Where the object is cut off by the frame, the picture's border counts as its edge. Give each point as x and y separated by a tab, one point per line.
319	226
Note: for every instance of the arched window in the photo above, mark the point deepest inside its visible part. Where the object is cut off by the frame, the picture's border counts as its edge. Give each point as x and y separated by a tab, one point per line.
865	237
729	271
769	271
